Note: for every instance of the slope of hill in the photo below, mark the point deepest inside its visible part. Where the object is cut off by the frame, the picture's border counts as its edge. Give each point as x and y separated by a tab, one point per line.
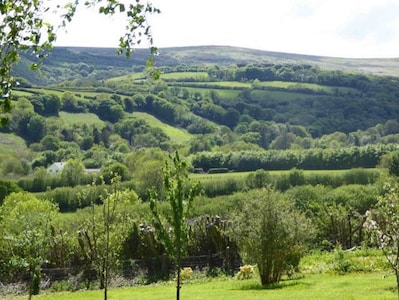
65	63
224	55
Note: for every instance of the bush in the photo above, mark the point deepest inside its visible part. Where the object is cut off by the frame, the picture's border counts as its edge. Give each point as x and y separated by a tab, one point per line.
246	272
257	180
7	187
271	233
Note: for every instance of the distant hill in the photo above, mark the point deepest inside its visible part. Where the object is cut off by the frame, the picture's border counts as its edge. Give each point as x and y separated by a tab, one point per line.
73	59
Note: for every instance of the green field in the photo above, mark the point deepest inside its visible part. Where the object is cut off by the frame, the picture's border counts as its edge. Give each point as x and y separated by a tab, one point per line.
178	76
10	143
220	85
87	118
21	93
317	286
296	85
176	135
130	78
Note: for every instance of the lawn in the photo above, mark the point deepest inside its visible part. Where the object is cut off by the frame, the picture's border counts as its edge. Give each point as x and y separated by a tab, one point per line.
316	286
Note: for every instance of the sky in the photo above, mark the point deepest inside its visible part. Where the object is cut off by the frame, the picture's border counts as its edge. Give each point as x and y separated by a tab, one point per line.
337	28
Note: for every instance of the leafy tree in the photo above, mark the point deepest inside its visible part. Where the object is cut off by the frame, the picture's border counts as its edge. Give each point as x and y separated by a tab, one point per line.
258	179
24	28
383	224
26	223
172	225
270	233
116	168
7	187
50	142
36	128
101	236
73	173
145	165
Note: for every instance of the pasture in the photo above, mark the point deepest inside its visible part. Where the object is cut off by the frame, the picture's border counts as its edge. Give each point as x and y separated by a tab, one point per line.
176	135
86	118
10	143
183	76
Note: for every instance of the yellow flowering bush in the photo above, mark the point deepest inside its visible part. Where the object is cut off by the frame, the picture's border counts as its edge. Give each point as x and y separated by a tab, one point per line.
246	271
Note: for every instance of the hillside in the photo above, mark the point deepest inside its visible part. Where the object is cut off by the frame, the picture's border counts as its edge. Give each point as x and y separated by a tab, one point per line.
95	106
57	67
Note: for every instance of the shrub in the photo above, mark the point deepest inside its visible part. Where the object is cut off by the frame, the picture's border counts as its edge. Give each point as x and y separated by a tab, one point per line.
257	180
271	233
185	274
246	271
340	263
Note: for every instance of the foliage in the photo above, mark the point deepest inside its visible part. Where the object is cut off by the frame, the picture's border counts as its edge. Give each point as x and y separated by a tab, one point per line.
26	223
271	234
246	271
259	179
7	187
341	264
20	30
101	235
72	173
185	274
312	159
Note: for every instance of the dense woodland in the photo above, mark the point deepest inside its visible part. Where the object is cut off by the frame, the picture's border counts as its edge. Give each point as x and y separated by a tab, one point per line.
323	139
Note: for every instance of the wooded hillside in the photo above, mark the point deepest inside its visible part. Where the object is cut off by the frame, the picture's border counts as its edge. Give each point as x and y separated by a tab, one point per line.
95	106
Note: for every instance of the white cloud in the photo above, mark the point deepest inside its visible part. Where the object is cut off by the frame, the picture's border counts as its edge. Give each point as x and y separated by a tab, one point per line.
349	28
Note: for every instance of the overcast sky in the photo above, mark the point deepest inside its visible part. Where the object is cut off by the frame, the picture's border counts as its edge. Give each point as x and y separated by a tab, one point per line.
340	28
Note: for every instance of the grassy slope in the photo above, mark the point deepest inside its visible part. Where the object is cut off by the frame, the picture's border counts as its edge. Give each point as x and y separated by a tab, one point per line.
177	135
10	143
87	118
